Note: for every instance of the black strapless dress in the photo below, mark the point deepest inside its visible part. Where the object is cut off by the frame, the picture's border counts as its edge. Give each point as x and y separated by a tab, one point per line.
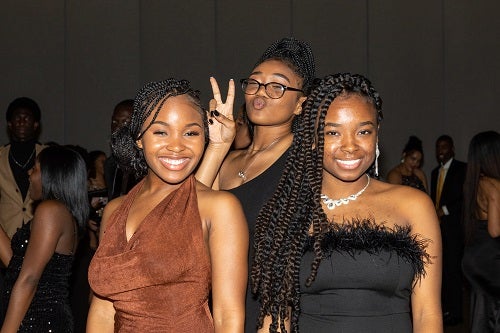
481	267
49	310
364	285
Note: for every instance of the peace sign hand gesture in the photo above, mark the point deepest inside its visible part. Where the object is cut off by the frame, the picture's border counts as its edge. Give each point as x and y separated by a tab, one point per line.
222	128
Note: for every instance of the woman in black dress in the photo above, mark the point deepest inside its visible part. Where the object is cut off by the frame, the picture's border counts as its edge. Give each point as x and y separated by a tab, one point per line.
335	249
35	294
481	261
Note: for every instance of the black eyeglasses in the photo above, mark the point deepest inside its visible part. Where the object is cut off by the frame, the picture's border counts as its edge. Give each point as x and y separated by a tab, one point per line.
273	89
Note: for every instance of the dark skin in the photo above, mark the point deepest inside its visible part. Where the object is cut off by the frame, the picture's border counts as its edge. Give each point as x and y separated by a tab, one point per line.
22	126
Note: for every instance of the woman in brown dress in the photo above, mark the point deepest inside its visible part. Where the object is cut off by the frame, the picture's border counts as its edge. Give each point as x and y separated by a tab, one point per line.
171	240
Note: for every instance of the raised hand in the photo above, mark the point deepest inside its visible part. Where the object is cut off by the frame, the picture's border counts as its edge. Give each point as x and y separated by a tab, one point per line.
222	128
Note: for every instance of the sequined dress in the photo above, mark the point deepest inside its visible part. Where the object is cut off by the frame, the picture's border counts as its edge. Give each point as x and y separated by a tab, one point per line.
49	310
413	181
364	283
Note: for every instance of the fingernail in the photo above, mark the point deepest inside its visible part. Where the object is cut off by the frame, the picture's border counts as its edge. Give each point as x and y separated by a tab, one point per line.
211	113
216	113
210	121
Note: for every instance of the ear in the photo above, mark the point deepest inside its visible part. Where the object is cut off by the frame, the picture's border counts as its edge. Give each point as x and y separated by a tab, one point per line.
298	107
138	143
36	124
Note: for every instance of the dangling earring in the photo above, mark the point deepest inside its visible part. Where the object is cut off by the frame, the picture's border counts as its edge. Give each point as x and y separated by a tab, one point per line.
377	154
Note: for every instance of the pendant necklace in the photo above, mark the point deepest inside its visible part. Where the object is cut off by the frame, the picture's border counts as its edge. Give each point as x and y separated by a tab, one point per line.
243	172
332	203
22	166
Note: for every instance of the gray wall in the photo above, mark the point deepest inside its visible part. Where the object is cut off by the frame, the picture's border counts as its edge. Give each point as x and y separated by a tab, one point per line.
435	62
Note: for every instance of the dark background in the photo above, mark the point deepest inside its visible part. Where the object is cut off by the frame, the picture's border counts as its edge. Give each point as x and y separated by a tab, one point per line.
435	62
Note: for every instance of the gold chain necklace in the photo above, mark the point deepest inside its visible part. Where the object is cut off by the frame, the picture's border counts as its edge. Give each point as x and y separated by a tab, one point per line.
22	166
242	173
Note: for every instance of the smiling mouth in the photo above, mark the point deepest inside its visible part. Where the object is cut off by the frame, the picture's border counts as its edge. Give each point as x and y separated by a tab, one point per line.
175	161
349	164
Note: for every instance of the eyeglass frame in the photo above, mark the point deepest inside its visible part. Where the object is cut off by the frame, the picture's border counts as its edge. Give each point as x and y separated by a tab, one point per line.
285	88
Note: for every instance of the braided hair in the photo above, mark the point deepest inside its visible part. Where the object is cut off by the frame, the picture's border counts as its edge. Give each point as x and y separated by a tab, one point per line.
284	223
149	100
297	55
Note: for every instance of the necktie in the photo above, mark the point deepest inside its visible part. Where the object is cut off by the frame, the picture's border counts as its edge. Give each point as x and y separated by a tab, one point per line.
439	187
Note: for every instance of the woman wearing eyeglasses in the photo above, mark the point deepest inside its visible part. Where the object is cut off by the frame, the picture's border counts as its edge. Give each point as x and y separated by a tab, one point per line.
274	92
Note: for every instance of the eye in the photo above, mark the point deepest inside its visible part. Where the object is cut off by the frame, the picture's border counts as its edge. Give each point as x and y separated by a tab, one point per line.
193	133
365	132
159	133
331	133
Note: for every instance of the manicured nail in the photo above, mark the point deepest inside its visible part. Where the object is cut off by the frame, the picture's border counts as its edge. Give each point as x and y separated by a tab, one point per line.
210	121
216	113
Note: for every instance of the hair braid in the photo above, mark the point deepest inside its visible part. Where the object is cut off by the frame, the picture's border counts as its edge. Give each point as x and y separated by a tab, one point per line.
294	213
149	100
297	55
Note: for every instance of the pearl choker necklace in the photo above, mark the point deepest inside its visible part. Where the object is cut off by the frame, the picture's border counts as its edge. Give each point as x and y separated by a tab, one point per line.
332	203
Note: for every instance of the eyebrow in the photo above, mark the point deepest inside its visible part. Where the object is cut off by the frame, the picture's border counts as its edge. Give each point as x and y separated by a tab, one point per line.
275	74
167	124
363	123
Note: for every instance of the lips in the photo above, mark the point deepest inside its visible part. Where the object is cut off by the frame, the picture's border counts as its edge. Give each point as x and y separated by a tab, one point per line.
348	164
259	103
174	164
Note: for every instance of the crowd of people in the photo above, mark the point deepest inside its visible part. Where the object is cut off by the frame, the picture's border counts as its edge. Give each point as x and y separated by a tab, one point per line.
271	219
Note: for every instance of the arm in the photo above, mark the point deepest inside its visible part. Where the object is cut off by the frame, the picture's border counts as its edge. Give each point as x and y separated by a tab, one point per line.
421	175
267	323
46	230
491	188
221	134
426	297
228	243
5	249
101	315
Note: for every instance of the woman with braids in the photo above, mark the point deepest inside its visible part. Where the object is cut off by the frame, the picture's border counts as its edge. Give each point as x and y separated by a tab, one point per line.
481	261
408	172
274	93
171	240
35	291
339	251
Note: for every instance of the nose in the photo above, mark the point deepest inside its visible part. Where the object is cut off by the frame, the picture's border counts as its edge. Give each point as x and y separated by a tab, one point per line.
175	143
349	143
261	91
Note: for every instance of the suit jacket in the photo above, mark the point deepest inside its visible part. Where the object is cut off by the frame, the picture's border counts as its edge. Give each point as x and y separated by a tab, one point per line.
452	193
13	210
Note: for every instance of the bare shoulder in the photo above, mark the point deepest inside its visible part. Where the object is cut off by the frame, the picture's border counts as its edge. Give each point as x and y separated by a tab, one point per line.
51	215
394	176
208	196
403	204
51	210
403	195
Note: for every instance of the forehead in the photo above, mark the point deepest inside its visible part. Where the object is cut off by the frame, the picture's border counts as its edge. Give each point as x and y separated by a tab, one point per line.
178	109
22	112
443	144
352	103
277	68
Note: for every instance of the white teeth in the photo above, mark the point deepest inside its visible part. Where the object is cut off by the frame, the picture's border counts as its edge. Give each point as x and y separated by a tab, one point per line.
174	162
348	162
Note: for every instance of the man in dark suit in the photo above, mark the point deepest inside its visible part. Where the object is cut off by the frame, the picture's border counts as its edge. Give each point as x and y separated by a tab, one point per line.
447	181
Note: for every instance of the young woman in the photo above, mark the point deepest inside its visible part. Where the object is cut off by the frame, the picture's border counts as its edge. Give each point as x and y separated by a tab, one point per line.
408	172
338	251
274	92
171	240
481	261
35	291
